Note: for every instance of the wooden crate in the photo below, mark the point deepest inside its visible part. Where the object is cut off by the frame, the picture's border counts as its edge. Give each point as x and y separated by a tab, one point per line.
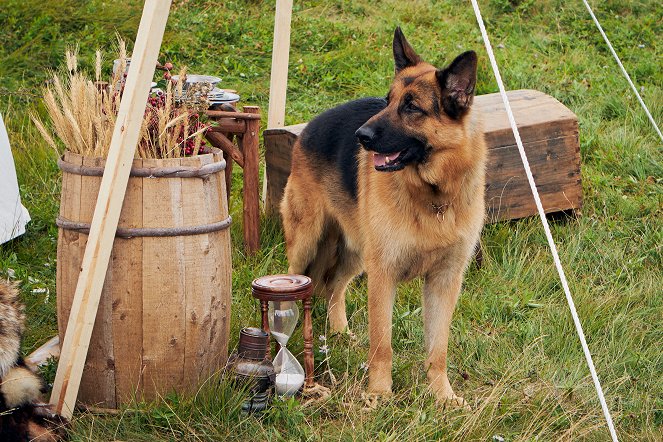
549	132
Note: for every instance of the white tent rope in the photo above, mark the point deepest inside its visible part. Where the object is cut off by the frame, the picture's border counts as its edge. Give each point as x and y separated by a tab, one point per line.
621	66
546	227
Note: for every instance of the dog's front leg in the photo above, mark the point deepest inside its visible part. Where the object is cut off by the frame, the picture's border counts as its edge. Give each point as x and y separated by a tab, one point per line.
441	291
381	291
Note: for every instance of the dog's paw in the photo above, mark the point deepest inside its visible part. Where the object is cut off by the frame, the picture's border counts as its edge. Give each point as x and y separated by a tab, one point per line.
338	321
443	393
379	383
372	400
345	334
453	402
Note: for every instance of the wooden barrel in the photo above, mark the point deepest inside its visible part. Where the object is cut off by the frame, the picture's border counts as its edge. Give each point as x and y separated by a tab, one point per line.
164	316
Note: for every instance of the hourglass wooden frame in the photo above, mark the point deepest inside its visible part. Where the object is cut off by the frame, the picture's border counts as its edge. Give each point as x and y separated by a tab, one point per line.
288	288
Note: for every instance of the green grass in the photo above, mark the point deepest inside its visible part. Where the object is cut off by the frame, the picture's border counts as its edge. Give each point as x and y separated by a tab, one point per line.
514	352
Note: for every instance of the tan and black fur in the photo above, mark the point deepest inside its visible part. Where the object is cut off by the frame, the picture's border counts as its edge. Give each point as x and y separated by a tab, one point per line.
393	187
22	415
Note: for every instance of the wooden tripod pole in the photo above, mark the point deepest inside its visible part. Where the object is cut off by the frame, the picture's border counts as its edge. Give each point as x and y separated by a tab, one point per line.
278	81
109	204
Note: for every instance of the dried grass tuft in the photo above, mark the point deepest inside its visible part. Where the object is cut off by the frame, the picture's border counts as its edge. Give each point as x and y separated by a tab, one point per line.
71	57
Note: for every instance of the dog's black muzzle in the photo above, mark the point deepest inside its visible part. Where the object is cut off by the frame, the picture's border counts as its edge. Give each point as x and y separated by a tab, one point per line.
392	149
366	136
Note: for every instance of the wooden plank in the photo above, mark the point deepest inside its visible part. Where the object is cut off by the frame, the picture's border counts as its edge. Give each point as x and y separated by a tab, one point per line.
278	80
98	380
220	273
109	204
228	114
556	170
127	308
277	163
221	141
295	129
250	145
539	117
197	292
278	148
228	172
230	125
164	280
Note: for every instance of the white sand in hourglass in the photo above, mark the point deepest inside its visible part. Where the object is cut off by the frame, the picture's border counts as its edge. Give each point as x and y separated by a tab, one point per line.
288	384
283	317
281	338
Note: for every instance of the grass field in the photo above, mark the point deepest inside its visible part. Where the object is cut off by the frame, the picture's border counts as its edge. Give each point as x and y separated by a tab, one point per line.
514	352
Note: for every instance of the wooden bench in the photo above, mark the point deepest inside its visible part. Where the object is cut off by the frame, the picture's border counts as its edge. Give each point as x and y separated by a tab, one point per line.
549	131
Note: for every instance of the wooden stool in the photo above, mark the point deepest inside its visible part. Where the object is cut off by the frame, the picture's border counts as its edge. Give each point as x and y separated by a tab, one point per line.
288	288
245	128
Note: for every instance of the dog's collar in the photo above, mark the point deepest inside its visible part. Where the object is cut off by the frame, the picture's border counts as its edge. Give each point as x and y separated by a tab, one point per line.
440	209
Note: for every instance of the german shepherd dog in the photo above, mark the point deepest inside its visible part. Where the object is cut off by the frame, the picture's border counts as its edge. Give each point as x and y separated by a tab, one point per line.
395	188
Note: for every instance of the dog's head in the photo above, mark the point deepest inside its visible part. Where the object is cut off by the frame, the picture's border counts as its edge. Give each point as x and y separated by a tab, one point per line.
425	110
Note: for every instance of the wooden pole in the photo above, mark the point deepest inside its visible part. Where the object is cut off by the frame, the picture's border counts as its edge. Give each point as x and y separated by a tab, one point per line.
250	147
278	82
109	204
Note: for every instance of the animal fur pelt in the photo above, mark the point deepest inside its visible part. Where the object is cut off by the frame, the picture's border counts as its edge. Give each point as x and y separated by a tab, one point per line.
22	415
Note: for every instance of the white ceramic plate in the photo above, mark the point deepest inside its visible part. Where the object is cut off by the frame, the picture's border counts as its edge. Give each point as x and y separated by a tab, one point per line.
192	78
220	96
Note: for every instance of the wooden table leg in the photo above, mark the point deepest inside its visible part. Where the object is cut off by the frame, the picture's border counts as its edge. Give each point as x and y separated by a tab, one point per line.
229	168
229	175
249	143
308	343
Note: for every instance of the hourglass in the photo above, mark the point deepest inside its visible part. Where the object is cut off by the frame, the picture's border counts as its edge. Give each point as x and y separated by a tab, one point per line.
278	295
283	317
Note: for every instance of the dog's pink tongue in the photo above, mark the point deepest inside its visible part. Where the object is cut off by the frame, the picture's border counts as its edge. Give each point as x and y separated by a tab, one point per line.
379	159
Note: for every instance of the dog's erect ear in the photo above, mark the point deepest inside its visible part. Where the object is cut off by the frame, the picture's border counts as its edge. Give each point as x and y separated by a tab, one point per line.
404	55
457	82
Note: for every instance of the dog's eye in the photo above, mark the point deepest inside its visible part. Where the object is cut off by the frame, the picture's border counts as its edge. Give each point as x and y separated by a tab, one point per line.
412	108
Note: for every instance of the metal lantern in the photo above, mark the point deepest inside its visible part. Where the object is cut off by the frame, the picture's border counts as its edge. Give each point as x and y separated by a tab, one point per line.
252	369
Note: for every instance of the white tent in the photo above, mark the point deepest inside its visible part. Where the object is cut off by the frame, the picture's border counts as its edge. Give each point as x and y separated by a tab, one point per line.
13	216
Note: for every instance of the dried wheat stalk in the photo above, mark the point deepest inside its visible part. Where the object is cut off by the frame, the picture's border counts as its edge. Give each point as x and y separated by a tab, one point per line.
83	113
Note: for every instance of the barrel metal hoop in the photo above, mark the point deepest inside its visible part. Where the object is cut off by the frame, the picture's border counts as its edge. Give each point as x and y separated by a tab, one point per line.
148	172
123	232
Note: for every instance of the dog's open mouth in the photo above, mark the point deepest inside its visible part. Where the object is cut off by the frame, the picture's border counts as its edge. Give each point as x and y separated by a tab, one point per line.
389	162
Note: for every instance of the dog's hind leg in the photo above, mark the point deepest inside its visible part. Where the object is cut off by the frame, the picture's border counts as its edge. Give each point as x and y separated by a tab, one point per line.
303	225
331	270
348	265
